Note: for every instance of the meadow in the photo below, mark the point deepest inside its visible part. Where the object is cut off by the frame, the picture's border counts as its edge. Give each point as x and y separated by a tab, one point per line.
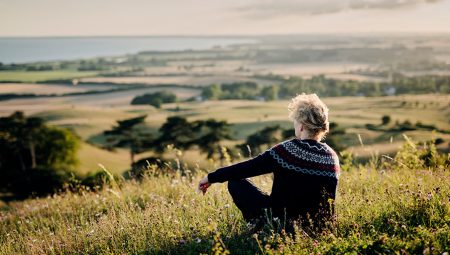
388	206
45	89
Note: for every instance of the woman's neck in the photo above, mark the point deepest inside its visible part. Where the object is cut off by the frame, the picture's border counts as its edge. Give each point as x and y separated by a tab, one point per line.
304	136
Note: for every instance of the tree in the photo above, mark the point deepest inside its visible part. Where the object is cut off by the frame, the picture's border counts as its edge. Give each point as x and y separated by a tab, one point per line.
288	133
206	134
270	93
386	119
155	99
127	134
240	90
334	137
35	158
209	133
177	131
212	92
268	136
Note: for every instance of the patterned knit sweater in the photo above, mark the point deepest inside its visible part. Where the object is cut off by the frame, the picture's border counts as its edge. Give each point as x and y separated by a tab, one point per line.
305	172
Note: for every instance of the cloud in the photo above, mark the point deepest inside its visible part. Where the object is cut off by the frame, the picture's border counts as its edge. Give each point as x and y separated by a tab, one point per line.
276	8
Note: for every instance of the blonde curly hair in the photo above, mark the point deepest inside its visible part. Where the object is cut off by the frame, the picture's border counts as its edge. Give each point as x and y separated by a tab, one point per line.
310	111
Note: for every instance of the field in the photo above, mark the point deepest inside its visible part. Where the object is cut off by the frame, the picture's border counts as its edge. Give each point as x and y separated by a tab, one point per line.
200	80
37	76
91	156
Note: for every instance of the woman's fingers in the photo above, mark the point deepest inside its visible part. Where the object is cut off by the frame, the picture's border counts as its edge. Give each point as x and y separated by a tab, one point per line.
203	187
204	184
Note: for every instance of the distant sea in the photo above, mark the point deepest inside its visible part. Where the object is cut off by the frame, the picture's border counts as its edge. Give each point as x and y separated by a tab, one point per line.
21	50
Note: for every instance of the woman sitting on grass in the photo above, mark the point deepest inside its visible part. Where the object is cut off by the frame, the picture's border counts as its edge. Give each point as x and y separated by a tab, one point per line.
305	171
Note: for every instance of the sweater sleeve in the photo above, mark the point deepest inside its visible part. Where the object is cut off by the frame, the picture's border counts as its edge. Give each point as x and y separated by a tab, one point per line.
261	164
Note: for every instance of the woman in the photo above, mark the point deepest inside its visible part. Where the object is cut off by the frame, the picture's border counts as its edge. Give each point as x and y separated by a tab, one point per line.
306	173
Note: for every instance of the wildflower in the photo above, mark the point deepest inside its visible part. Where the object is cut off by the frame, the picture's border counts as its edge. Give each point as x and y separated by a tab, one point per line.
281	249
182	241
315	243
198	240
90	233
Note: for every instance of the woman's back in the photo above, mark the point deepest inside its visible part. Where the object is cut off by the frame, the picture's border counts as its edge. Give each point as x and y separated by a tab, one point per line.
306	174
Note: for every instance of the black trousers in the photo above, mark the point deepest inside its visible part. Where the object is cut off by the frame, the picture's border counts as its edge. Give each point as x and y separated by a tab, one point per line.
255	206
252	202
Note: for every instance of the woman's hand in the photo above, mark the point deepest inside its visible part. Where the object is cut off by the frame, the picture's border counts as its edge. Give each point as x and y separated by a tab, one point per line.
204	184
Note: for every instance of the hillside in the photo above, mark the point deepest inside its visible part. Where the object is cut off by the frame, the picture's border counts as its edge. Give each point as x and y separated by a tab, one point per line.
387	206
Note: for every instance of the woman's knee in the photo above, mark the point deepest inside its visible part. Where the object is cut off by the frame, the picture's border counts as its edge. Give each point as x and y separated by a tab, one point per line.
233	185
238	186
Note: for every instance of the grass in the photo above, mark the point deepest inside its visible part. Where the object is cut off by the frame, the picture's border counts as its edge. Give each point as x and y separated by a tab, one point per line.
85	121
90	156
36	76
384	207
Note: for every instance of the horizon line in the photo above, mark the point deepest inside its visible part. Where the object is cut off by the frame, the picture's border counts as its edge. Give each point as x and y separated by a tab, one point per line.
389	33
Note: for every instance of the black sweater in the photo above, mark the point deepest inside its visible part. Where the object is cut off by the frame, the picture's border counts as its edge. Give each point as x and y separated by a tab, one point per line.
306	175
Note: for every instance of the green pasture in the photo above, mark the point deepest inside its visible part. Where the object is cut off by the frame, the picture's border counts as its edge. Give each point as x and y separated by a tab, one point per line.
85	121
91	156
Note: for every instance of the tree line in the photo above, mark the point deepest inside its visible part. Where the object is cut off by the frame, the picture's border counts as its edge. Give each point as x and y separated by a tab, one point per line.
286	87
206	135
176	131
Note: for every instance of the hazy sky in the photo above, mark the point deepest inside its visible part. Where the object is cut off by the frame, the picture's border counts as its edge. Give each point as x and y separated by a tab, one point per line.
220	17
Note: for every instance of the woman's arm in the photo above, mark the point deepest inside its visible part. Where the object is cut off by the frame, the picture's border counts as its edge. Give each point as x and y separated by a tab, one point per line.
261	164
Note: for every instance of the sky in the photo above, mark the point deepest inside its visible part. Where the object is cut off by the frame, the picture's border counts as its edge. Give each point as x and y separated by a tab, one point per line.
220	17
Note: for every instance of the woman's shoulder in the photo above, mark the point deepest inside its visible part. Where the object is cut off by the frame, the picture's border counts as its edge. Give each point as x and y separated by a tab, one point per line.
305	145
306	156
305	149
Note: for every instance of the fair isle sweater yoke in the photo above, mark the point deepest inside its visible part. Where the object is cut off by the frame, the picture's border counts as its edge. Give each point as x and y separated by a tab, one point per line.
305	172
302	157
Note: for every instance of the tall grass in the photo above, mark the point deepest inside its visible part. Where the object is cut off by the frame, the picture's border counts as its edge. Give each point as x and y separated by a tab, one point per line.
384	207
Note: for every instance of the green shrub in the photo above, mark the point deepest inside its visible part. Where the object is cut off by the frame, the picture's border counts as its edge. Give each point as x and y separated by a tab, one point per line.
155	99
